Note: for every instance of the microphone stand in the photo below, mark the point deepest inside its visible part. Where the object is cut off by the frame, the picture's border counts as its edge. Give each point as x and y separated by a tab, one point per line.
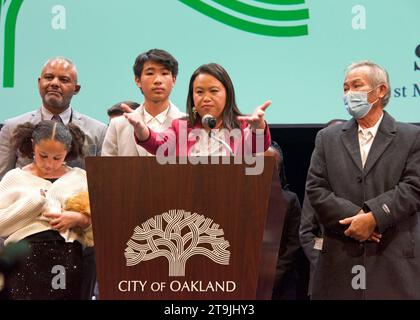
212	135
210	122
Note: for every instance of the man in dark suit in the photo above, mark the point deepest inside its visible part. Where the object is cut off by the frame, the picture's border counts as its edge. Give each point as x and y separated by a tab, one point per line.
364	185
57	85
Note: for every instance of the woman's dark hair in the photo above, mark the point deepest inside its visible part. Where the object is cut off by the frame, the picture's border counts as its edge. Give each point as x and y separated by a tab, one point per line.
27	135
158	56
231	111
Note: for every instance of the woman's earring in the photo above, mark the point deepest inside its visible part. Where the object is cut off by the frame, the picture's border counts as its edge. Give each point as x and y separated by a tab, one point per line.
194	112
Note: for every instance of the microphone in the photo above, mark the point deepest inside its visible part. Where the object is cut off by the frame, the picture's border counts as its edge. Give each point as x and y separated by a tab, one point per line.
209	121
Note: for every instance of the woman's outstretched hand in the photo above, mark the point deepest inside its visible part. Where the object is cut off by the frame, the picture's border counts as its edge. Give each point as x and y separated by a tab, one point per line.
256	120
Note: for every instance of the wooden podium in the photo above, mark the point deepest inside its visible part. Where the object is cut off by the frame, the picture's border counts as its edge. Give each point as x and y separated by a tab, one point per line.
184	231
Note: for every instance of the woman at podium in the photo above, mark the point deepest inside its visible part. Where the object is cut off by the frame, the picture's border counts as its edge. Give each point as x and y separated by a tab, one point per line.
214	125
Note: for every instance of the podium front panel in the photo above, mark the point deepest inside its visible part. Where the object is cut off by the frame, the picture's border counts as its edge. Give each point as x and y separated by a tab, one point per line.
183	231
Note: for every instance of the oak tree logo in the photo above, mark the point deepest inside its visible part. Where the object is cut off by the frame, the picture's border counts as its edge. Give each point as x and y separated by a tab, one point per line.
276	18
9	10
177	235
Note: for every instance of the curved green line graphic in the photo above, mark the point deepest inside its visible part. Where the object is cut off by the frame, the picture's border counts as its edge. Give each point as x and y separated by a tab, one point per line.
282	1
279	15
1	4
9	43
267	30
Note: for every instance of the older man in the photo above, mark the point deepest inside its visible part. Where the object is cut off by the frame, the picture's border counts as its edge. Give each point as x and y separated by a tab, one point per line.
57	85
364	185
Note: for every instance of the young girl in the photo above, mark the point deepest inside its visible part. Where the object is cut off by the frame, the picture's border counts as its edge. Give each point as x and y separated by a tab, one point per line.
32	199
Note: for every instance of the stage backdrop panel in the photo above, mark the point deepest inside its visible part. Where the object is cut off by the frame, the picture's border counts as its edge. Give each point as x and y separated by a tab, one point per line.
290	51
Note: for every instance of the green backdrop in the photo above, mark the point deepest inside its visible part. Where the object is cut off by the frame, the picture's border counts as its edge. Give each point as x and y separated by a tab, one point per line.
299	66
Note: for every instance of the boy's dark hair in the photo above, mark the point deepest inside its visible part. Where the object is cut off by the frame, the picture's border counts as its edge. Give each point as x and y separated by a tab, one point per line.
156	55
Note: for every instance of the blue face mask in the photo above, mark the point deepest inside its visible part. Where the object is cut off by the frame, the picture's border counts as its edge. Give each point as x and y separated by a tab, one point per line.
357	104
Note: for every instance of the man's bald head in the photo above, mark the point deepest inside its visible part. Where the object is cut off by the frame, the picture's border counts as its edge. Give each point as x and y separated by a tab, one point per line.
64	62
